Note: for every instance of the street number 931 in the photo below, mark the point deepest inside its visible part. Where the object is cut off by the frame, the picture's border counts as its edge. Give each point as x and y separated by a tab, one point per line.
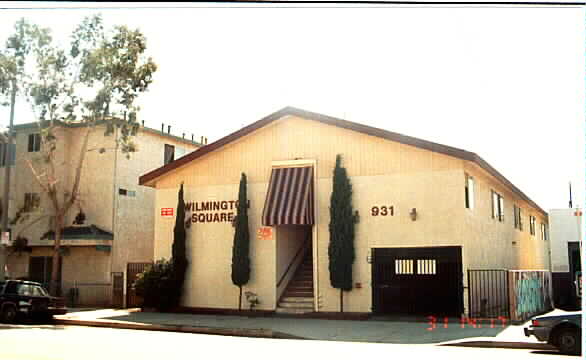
382	211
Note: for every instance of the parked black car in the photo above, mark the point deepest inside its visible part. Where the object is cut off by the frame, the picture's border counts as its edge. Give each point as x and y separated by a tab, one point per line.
564	331
28	299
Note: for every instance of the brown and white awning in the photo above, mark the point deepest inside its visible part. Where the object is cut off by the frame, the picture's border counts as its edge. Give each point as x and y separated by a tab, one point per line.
289	198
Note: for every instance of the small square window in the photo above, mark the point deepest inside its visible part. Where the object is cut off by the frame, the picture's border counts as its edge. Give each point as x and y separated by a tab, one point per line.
122	191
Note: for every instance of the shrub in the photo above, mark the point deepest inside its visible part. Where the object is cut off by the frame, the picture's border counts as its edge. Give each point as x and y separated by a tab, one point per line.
156	286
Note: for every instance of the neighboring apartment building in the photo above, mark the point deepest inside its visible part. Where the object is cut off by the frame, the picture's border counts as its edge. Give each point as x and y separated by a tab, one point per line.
427	214
566	238
118	228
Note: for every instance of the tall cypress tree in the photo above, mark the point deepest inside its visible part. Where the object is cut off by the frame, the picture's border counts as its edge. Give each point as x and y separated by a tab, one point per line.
179	251
240	249
342	220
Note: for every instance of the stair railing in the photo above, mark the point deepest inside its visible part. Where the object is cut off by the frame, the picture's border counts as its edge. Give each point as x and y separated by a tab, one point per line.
296	259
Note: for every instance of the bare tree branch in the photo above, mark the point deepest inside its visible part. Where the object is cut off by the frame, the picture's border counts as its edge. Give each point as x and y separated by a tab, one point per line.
78	168
36	175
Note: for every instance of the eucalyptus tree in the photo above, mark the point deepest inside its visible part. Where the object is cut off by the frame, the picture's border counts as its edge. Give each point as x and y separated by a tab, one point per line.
92	82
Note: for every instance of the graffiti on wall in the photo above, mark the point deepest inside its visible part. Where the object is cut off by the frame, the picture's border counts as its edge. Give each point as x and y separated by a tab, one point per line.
532	293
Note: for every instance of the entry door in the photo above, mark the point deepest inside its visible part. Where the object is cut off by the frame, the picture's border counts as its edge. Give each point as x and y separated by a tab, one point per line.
418	281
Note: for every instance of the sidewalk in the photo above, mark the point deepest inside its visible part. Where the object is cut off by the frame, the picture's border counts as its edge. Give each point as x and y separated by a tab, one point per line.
380	330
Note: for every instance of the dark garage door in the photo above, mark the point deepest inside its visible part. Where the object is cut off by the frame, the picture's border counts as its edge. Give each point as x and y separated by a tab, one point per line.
419	281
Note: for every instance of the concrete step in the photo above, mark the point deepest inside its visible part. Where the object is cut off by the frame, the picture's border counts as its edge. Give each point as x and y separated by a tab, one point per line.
302	282
297	289
296	305
301	299
299	293
281	310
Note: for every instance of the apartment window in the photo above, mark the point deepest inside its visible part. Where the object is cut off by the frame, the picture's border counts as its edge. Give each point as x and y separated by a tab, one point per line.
532	225
3	154
169	155
34	142
518	218
32	201
498	205
126	192
180	152
469	192
403	267
543	232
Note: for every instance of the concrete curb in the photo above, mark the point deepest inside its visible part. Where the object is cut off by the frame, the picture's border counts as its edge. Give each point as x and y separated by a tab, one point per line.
504	344
259	333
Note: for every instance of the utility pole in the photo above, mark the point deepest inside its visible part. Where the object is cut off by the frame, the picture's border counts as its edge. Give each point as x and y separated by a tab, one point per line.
5	196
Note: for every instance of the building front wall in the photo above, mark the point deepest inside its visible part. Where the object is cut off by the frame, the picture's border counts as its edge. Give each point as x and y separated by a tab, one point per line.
104	173
383	174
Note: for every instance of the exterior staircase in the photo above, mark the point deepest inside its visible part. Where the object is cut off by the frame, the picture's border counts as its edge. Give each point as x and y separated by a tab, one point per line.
298	296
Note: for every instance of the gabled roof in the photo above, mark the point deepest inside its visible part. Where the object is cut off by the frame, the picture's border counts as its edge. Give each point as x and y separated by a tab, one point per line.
148	178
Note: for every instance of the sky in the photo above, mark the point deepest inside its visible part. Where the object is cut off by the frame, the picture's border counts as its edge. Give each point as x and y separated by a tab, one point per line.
507	83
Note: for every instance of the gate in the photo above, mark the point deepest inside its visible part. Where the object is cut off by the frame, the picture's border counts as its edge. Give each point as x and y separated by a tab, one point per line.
132	271
423	281
117	289
488	293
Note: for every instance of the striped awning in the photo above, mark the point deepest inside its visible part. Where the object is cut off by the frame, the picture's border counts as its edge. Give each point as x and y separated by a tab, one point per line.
289	198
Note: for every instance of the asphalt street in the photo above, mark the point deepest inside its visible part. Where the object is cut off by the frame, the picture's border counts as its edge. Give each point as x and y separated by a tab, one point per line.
53	342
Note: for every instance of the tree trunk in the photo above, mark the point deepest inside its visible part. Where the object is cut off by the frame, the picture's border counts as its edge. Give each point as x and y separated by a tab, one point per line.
240	299
341	300
53	286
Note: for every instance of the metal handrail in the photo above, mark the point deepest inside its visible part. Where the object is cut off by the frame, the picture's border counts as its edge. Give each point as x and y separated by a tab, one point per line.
301	250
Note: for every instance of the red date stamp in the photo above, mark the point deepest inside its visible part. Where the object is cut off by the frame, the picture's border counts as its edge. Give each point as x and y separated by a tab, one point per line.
465	322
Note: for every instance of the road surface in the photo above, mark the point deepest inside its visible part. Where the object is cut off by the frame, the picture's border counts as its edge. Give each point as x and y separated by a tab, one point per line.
59	342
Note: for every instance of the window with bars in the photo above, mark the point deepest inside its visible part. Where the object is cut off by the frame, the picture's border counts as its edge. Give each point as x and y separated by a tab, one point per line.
469	192
543	232
403	267
426	267
498	206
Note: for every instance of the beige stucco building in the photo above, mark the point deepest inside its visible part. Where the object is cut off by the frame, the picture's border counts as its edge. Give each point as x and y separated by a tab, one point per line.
427	213
119	222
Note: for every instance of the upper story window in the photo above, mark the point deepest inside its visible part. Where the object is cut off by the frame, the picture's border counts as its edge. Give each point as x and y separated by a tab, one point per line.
4	152
532	225
543	231
469	192
126	192
498	205
34	142
518	218
169	154
32	201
